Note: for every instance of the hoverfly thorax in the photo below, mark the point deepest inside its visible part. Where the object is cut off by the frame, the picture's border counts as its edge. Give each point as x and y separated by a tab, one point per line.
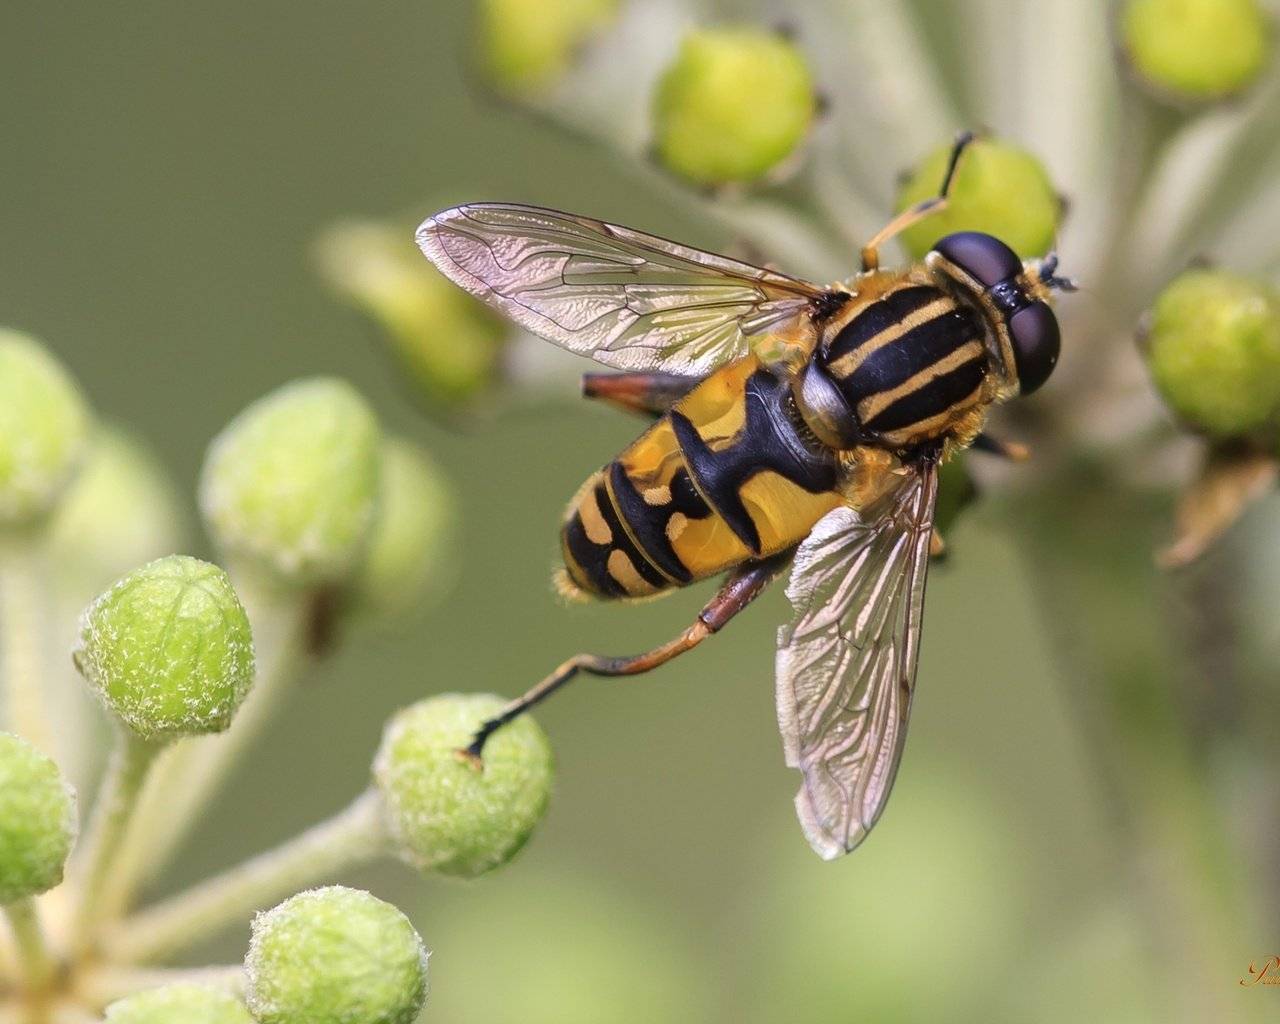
1011	297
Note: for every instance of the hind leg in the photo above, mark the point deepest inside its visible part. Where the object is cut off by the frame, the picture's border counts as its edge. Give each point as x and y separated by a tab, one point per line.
649	394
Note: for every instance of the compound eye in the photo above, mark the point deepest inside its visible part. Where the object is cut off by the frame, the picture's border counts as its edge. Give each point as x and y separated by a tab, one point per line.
1036	343
983	257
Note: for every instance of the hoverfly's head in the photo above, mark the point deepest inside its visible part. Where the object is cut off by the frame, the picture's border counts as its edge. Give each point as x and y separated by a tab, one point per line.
1013	299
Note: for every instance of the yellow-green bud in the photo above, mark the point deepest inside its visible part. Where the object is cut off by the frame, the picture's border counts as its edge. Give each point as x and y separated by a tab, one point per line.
526	45
168	650
120	511
290	486
735	103
44	424
448	344
1213	345
37	820
179	1004
998	188
412	547
446	815
335	956
1196	50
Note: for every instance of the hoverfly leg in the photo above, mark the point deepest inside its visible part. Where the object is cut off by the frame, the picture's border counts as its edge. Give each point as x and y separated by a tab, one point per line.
1010	450
937	546
914	214
646	393
742	587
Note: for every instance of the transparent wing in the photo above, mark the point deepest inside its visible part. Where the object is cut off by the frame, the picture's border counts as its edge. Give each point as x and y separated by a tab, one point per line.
630	300
846	662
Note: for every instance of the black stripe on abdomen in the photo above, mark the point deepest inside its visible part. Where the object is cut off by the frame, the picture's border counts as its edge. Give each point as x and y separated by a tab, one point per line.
648	522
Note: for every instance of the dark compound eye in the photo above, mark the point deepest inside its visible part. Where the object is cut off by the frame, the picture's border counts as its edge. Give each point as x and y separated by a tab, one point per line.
984	257
1036	343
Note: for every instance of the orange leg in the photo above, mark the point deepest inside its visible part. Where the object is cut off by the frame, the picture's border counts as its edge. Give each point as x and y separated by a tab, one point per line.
646	393
914	214
742	587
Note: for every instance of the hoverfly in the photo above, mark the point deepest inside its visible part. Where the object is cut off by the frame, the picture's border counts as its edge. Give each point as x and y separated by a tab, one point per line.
795	425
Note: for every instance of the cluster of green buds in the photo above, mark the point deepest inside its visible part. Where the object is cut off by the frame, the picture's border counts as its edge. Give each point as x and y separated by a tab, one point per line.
306	498
1212	342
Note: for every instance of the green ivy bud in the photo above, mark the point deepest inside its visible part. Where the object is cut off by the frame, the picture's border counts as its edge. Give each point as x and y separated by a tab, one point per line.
290	485
411	550
526	45
1196	50
449	344
335	956
998	188
168	650
735	103
444	814
37	820
179	1004
1213	345
44	424
120	511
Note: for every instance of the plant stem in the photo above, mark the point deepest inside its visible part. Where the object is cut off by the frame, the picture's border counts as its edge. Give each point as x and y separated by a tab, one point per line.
190	773
103	985
22	632
35	962
354	836
118	796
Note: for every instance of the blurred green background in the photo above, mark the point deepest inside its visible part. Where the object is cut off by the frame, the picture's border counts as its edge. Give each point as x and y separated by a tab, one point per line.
165	169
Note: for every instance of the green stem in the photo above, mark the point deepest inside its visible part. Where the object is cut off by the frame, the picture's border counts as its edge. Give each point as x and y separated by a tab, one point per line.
354	836
191	772
22	634
103	985
36	964
127	771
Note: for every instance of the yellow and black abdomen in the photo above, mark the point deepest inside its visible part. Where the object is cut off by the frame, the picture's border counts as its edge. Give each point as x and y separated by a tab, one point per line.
723	477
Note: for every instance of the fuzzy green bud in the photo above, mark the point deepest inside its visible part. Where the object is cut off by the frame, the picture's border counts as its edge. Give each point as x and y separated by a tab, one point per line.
998	189
44	425
179	1004
447	343
735	103
1196	50
168	650
411	550
120	511
445	814
335	956
526	45
289	487
37	820
1213	345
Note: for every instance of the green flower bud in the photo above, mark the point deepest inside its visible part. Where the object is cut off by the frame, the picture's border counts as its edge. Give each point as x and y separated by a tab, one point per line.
735	103
449	344
335	956
179	1004
1213	345
120	511
526	45
998	188
445	815
168	650
1196	50
290	485
411	550
37	820
44	423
